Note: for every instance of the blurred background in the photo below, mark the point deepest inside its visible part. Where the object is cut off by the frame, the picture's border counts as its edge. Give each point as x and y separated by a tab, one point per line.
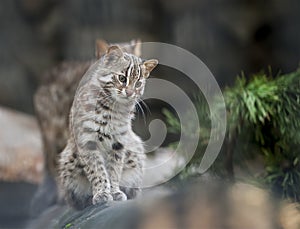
229	36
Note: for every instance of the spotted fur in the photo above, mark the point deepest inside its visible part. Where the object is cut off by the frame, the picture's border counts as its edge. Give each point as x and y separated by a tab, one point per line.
53	101
103	153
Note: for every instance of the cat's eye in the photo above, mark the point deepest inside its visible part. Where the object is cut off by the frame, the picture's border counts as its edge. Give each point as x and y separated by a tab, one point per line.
138	84
122	79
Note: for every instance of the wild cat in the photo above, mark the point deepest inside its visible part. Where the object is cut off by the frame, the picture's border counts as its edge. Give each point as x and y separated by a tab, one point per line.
103	155
52	102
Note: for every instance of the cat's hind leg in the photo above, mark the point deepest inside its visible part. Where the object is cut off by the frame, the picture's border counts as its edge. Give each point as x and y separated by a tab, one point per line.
77	201
74	186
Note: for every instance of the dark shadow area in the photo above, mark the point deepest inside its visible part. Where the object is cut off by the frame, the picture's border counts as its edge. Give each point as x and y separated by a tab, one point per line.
15	203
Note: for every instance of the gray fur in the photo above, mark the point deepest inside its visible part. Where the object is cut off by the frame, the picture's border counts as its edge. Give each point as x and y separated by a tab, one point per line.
103	153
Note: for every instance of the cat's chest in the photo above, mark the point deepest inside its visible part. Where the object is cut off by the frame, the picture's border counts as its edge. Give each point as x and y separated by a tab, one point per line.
113	123
112	127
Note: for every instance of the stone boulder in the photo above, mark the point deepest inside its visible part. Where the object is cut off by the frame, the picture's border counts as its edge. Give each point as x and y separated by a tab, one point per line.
204	205
21	157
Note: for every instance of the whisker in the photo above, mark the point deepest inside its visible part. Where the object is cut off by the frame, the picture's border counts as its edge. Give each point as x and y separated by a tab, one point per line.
145	104
142	110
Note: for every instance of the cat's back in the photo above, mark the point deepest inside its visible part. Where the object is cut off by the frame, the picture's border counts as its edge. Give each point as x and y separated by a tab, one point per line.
53	102
59	85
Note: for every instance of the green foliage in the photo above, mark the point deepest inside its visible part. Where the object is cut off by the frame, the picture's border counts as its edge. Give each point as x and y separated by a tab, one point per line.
262	121
282	172
250	103
172	121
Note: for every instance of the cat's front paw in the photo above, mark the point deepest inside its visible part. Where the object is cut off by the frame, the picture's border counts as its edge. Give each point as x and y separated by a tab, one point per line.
119	196
102	197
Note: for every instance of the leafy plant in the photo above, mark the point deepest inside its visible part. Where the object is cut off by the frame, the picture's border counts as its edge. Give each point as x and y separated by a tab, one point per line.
262	122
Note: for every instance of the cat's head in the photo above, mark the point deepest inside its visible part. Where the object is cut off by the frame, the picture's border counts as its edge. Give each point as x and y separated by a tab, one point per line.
126	74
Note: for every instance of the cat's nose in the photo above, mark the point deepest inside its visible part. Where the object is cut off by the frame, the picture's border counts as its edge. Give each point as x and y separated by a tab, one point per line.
129	92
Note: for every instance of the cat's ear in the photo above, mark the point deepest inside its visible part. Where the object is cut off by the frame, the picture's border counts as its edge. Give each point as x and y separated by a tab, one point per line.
101	48
148	66
137	47
113	54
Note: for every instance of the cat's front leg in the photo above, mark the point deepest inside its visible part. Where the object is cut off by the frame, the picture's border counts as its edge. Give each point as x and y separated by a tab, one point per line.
132	175
96	173
114	167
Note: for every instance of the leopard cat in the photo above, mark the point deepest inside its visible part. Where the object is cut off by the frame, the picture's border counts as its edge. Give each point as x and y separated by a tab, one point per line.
53	101
103	153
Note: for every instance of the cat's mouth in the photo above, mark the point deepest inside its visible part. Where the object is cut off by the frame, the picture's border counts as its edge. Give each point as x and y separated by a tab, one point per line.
128	98
125	98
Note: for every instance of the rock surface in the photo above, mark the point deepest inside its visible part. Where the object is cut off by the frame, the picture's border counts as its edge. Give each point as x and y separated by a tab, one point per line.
205	205
15	198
